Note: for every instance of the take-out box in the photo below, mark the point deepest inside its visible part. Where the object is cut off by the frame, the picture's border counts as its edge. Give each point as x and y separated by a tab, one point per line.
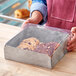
45	35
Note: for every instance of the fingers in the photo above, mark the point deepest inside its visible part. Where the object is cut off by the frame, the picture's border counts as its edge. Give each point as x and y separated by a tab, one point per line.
72	44
71	47
72	40
69	39
26	22
73	30
72	37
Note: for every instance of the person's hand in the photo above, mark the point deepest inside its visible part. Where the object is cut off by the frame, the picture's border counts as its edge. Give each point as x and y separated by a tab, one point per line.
72	41
35	19
30	20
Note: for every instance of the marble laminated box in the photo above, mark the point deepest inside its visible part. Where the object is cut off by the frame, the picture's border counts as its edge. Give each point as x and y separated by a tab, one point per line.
12	52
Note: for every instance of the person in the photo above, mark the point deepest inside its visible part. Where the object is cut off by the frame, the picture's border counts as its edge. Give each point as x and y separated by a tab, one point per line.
55	13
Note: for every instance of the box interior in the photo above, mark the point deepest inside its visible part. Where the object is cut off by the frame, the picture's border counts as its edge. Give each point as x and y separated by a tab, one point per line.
43	34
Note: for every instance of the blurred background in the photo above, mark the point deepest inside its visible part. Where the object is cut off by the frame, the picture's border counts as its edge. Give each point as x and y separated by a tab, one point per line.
12	11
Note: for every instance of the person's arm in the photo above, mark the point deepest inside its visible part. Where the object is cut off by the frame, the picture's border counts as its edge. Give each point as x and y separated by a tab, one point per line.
38	12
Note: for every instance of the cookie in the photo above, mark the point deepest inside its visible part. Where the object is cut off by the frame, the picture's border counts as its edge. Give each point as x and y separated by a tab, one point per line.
22	13
47	48
29	43
26	46
32	41
29	3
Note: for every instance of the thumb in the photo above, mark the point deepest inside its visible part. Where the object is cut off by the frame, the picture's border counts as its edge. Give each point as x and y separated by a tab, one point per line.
73	30
24	24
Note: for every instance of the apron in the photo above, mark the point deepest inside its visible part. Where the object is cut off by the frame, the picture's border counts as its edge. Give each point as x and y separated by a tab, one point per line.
61	13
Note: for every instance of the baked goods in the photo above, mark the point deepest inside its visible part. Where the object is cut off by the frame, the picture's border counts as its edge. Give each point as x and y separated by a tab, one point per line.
16	5
29	3
22	13
30	43
34	45
47	48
